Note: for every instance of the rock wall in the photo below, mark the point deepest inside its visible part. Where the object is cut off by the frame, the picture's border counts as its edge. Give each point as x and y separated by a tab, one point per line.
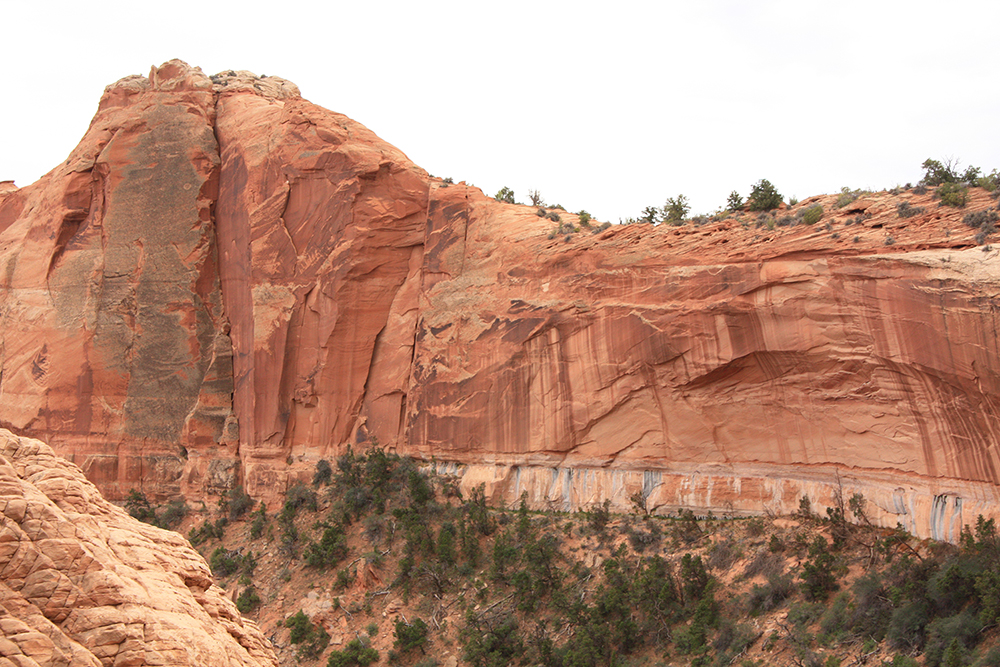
227	283
925	506
114	341
83	583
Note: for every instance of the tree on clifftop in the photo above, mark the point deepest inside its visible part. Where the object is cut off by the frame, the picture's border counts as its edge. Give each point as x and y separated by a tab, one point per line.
676	209
505	194
764	196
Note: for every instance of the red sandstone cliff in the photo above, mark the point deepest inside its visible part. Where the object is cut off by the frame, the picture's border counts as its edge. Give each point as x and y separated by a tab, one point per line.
224	281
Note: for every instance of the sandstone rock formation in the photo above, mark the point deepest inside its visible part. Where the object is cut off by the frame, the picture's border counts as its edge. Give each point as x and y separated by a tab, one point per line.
83	583
225	282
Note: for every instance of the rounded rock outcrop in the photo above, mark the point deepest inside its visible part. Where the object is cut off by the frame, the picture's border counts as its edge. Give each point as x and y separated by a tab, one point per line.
84	584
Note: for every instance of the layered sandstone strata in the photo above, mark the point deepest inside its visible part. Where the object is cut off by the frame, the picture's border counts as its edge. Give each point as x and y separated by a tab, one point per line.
83	583
225	282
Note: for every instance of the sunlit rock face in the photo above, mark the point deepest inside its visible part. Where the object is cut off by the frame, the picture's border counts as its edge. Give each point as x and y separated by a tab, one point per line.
82	584
115	344
225	283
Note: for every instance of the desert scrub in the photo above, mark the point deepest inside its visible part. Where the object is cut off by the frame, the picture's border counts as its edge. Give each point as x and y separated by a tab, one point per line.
812	215
225	562
323	474
410	637
208	531
723	554
236	502
299	496
138	507
357	652
985	222
640	540
259	522
312	640
248	600
330	550
770	596
765	220
847	196
953	194
989	182
505	195
980	219
174	513
563	228
906	210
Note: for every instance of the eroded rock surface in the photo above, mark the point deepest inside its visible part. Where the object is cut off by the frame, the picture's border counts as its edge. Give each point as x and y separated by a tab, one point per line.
225	282
83	583
114	341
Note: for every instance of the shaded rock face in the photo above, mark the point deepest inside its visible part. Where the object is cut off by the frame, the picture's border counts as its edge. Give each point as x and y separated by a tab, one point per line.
83	583
227	283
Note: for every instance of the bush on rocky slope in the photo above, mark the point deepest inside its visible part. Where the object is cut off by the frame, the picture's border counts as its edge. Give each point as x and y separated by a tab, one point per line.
590	589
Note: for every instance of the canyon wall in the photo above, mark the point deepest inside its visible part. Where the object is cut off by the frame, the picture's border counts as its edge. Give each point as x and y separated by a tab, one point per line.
225	283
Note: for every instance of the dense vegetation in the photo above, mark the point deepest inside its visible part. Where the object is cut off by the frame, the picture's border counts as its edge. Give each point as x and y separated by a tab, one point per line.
592	588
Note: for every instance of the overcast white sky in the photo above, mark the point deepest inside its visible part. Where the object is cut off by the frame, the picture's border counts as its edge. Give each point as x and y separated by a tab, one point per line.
609	106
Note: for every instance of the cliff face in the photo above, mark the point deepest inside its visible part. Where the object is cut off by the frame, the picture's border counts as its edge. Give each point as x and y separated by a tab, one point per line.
83	583
227	282
114	339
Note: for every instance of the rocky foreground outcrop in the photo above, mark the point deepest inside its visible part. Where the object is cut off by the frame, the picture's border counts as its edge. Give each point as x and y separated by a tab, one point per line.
83	583
225	282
